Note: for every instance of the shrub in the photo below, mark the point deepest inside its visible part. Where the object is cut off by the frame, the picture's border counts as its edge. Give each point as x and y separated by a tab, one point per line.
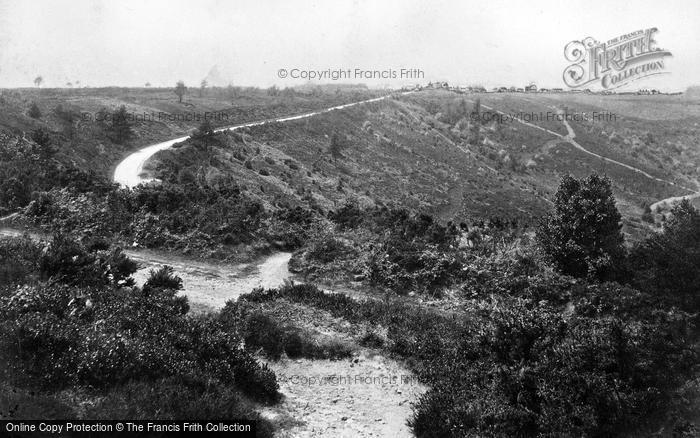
372	339
66	260
86	329
18	260
294	345
668	263
34	111
526	370
265	333
163	278
162	399
326	249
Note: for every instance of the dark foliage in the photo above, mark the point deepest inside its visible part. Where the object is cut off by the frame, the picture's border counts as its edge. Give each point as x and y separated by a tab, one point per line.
668	263
582	236
86	329
120	129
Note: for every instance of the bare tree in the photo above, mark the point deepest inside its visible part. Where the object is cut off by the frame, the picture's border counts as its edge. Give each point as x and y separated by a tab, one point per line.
202	86
38	80
180	90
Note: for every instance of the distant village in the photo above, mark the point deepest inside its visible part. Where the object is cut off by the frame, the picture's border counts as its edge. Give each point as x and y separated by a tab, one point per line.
531	88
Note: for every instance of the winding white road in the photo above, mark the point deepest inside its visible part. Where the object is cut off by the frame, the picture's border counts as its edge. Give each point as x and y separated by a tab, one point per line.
208	285
130	173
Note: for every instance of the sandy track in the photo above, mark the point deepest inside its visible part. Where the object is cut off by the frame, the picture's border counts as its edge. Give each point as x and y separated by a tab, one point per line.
130	172
571	135
366	396
208	286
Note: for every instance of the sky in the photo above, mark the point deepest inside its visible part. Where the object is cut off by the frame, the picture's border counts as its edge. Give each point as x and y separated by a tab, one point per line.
489	43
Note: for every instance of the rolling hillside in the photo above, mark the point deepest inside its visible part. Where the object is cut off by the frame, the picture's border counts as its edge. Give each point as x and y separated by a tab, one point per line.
423	151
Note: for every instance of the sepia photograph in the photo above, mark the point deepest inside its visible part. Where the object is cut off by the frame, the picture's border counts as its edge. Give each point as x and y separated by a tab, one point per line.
350	218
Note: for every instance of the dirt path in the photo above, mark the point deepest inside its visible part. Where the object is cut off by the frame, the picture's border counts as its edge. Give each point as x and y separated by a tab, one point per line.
571	135
130	172
655	207
9	216
668	203
367	396
570	138
208	286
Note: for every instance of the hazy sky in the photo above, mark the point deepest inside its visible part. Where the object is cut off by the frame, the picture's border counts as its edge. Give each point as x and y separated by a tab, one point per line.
489	42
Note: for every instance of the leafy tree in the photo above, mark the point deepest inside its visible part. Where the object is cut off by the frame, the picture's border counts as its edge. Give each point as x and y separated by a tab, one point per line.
202	87
38	80
582	236
180	90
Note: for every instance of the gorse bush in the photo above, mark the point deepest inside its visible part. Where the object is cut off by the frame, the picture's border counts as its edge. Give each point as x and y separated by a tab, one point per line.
263	333
534	372
174	398
522	367
668	263
192	217
28	166
68	261
69	337
18	260
163	278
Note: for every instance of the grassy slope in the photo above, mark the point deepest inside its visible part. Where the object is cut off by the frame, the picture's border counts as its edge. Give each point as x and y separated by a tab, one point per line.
86	143
399	151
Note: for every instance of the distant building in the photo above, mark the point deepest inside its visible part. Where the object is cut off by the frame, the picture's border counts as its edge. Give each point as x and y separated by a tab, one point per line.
532	88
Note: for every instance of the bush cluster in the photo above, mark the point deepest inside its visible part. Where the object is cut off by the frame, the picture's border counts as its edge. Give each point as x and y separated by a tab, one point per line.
261	332
80	322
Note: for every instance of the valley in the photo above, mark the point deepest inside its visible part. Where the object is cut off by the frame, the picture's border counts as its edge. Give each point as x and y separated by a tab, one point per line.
345	241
